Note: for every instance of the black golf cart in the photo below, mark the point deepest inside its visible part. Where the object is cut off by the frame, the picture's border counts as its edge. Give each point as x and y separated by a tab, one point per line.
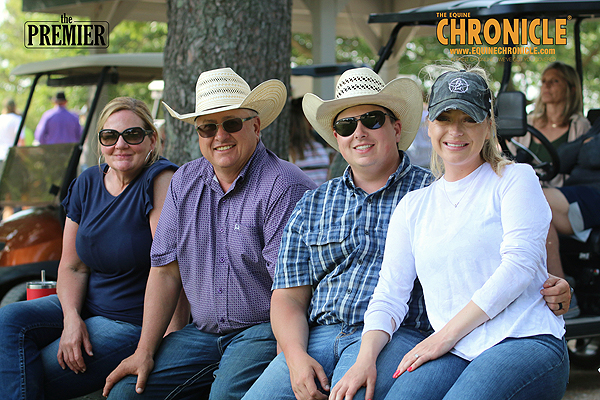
582	260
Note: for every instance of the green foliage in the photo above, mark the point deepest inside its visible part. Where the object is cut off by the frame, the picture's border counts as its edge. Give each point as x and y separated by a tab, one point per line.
348	50
136	37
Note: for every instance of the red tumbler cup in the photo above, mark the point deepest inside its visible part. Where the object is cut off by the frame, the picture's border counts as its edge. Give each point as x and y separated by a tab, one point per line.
37	289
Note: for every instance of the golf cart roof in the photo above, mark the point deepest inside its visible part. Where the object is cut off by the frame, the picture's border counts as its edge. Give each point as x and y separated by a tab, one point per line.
483	9
575	10
81	70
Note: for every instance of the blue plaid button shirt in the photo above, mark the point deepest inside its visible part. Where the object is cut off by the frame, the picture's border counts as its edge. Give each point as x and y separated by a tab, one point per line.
334	241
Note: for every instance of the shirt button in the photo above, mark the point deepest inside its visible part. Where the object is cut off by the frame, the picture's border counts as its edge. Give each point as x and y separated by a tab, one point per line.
220	291
221	230
221	320
222	259
349	291
366	231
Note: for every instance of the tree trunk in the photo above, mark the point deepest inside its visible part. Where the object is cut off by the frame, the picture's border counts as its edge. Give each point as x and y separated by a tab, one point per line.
250	36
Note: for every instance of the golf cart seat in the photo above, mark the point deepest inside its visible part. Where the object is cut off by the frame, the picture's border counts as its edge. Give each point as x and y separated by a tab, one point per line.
580	260
593	115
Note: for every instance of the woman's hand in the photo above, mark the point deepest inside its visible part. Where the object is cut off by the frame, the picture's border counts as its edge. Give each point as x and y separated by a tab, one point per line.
438	344
429	349
361	374
74	337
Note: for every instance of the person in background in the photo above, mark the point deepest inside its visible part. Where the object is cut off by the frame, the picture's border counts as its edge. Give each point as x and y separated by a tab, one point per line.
305	151
9	124
487	220
574	205
58	125
218	237
65	345
419	151
557	114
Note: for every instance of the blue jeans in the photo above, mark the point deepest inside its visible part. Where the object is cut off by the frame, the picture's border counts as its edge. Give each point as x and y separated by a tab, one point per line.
335	347
535	367
29	336
189	361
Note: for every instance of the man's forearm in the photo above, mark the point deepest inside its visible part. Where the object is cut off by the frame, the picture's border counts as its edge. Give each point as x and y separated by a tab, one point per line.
289	322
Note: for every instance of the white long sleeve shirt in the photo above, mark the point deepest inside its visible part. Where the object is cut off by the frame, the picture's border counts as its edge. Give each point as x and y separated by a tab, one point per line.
490	248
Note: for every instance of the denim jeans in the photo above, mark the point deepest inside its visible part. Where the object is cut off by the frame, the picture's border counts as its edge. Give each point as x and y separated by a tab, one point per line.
534	367
29	336
335	347
189	361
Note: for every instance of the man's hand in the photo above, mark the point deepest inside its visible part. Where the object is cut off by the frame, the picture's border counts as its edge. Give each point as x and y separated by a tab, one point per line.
303	371
74	337
140	364
359	375
557	294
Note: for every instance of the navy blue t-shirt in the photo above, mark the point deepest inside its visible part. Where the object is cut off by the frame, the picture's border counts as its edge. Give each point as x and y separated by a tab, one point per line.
114	240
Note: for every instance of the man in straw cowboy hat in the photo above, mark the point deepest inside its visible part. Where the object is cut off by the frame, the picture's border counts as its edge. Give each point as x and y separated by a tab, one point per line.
339	231
332	247
218	237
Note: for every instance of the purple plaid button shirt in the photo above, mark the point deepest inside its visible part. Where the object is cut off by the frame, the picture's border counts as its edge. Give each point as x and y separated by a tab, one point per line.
226	244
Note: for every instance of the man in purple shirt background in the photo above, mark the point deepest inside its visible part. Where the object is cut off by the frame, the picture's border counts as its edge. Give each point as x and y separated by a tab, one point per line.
218	237
58	125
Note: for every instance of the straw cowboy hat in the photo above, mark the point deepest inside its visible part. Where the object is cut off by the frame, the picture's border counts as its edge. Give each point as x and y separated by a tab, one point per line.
222	90
360	86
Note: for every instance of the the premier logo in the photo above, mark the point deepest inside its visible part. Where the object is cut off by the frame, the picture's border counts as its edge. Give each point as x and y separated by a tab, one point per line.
518	32
65	33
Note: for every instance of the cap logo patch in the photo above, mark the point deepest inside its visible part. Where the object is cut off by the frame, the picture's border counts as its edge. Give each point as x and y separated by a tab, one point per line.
458	85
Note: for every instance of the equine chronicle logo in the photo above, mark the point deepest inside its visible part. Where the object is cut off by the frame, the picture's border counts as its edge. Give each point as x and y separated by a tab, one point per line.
515	32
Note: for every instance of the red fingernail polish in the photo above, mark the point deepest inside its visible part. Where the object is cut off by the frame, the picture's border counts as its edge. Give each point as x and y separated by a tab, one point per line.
396	374
410	369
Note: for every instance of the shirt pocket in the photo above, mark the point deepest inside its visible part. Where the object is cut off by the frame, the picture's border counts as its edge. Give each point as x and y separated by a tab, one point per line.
248	240
330	248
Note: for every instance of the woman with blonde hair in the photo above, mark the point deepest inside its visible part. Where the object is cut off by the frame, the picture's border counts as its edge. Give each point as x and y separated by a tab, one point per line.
63	346
557	114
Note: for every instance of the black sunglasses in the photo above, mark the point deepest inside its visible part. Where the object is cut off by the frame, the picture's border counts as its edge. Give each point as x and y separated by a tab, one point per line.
371	120
135	135
231	126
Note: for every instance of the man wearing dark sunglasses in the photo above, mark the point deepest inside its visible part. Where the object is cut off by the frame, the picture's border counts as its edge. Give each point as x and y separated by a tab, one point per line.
218	238
332	246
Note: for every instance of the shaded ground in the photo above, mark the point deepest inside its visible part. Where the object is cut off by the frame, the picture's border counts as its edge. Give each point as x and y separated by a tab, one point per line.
583	385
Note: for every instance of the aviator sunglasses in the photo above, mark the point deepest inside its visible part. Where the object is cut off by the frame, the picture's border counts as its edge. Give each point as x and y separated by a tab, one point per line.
371	120
136	135
231	126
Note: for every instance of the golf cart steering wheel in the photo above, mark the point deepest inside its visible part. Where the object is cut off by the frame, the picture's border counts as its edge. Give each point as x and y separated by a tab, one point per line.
545	171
